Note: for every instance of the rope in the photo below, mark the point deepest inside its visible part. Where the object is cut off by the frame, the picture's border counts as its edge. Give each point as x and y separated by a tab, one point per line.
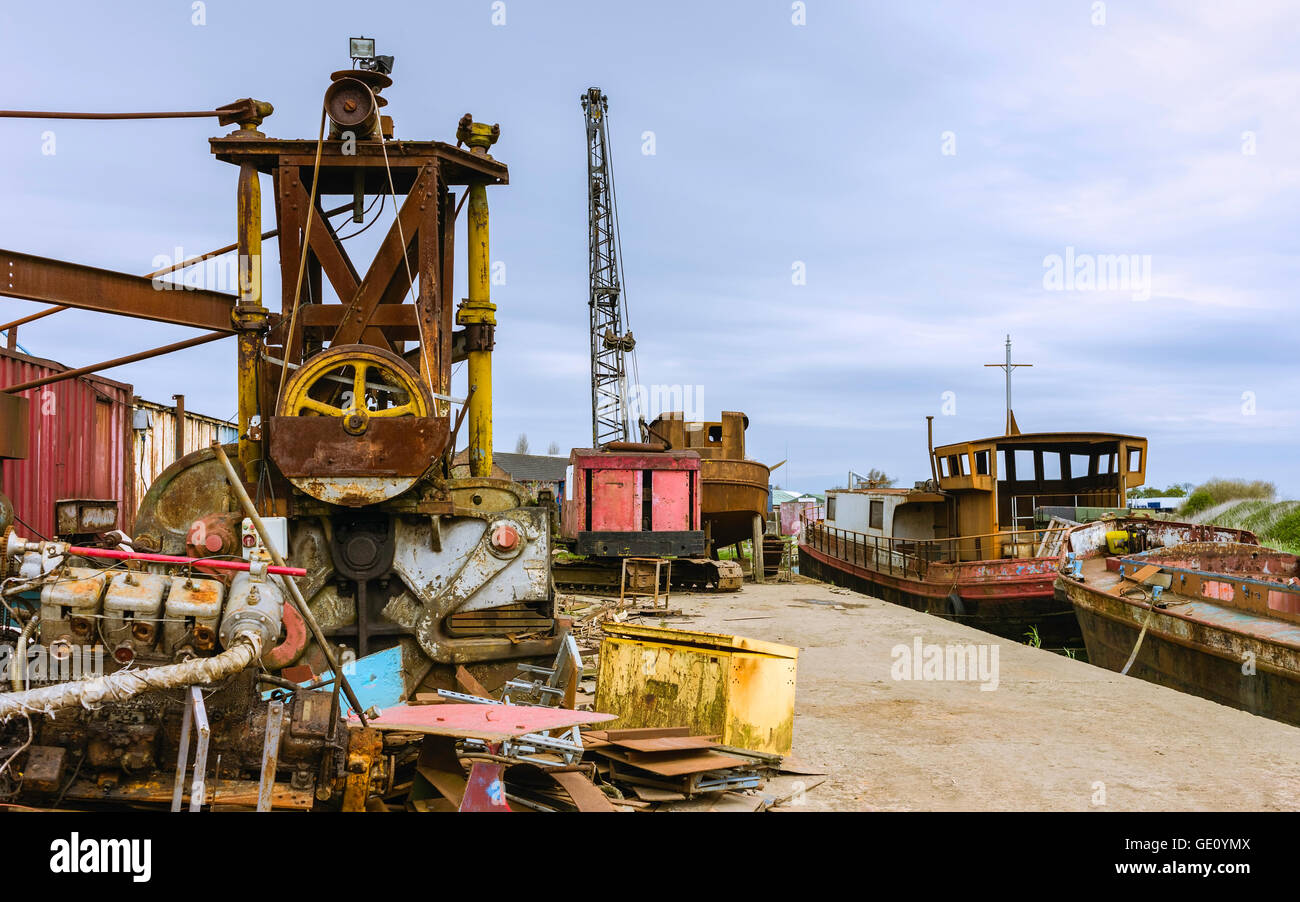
1151	607
410	277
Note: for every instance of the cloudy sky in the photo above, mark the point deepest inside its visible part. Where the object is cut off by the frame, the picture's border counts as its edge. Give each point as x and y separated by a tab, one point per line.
847	207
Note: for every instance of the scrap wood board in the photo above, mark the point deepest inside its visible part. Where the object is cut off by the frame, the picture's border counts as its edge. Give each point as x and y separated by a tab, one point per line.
1140	577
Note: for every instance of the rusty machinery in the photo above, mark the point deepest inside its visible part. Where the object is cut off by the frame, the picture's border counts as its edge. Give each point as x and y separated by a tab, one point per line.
346	438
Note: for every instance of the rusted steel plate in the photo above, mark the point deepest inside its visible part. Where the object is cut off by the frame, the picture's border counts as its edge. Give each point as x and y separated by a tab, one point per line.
13	426
484	791
677	765
733	491
491	723
87	288
319	446
586	796
667	743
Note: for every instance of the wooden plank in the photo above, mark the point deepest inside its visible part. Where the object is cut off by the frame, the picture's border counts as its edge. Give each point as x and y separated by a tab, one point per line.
1139	577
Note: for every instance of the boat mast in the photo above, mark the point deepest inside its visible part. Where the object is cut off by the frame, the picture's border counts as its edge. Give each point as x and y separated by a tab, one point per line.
1011	428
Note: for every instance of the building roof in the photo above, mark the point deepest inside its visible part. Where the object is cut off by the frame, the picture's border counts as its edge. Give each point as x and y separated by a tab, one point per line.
532	467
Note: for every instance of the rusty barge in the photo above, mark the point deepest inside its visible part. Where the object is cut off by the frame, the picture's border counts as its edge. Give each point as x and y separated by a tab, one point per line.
965	544
1197	608
733	489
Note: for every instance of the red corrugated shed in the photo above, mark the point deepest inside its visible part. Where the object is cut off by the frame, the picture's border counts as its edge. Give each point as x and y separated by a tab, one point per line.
79	443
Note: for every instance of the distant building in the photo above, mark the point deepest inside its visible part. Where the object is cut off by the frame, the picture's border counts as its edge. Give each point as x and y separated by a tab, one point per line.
789	507
1157	504
535	471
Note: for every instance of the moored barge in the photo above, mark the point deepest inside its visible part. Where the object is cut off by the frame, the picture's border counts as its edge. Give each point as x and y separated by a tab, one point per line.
1198	608
966	544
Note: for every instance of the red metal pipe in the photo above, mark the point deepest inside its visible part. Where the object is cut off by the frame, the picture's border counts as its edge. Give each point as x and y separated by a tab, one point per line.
216	563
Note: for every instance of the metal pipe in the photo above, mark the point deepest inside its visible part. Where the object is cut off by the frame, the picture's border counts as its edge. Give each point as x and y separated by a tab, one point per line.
50	114
118	361
295	593
216	563
929	443
125	684
16	676
178	449
32	317
250	316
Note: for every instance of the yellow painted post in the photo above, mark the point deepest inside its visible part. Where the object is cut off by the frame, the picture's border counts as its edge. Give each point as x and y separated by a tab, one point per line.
249	315
478	313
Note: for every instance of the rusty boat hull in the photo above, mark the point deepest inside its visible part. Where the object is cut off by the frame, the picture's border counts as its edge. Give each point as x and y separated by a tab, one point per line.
1227	628
1009	597
733	492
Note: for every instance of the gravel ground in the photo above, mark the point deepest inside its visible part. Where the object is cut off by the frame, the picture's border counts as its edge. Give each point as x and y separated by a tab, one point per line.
1055	735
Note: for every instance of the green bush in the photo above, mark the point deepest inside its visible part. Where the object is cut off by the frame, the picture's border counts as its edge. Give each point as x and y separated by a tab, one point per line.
1238	489
1285	533
1196	502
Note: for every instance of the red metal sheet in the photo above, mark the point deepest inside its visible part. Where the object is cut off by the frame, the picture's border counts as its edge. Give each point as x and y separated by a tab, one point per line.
616	501
671	500
78	443
488	722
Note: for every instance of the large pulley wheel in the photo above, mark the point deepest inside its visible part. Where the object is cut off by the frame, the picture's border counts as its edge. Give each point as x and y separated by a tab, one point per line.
356	427
356	383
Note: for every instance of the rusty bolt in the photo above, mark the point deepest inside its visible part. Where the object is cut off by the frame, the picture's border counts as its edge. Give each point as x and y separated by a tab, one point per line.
505	538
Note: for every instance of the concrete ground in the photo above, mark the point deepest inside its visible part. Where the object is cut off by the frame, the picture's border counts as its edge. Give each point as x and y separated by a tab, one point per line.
1055	735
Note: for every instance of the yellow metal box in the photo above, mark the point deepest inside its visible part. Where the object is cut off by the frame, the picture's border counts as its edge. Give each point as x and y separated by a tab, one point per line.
741	690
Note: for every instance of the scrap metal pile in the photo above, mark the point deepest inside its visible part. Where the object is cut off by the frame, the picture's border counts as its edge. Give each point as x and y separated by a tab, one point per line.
195	631
323	614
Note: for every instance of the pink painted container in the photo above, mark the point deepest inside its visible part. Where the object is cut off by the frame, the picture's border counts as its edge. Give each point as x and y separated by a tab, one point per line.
621	491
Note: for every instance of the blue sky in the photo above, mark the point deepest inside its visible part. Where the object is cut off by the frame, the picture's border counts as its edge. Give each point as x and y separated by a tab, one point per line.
1167	131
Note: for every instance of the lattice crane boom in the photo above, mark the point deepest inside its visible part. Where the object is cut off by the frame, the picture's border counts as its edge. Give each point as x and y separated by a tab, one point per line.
611	347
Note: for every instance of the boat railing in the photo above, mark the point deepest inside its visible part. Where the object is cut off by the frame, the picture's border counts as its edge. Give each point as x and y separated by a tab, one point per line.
912	557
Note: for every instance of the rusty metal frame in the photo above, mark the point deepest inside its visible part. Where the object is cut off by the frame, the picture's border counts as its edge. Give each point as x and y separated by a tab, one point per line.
196	716
50	281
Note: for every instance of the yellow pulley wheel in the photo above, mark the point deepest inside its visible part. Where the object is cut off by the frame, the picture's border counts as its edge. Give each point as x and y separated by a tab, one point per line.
356	383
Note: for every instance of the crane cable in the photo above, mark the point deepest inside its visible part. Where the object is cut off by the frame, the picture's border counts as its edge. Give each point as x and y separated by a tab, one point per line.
622	272
302	260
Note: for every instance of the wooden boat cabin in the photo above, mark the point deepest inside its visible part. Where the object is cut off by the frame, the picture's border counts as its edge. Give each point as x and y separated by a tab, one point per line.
981	502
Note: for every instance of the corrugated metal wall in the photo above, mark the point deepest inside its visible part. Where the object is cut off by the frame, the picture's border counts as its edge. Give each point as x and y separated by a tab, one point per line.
155	446
79	435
